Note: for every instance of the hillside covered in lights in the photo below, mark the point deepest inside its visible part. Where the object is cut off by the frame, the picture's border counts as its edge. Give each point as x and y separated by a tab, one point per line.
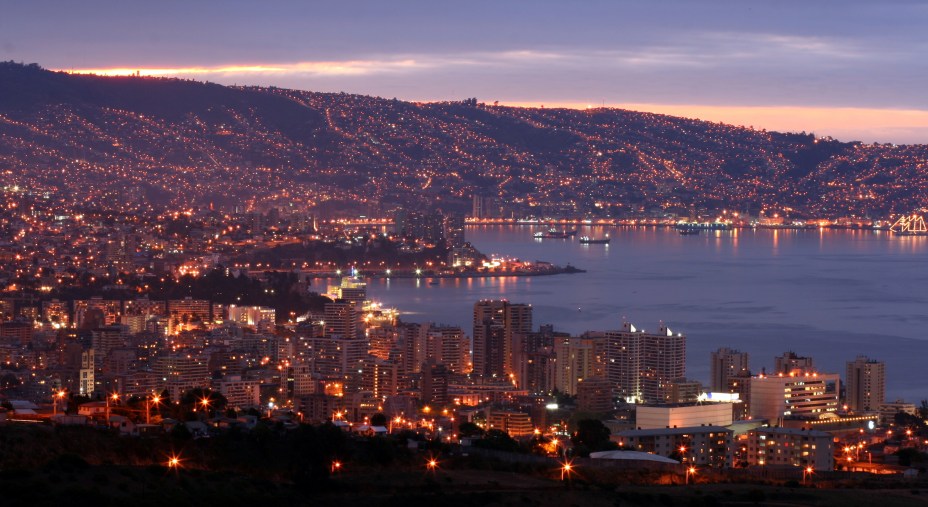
108	141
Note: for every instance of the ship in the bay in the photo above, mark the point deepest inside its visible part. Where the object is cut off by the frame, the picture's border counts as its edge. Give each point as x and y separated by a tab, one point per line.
910	225
586	240
554	234
703	226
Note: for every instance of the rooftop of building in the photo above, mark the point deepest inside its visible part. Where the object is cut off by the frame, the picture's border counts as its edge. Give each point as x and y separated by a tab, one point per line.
674	431
632	455
779	430
683	404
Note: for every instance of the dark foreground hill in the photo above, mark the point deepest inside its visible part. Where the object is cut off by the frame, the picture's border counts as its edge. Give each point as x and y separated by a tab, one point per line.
108	139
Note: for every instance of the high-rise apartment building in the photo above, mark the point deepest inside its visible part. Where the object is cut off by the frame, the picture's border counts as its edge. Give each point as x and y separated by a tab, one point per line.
178	372
539	371
87	381
575	363
790	363
642	365
15	333
188	313
251	315
145	307
454	230
104	340
335	357
525	349
435	379
384	341
426	226
449	346
495	324
478	207
96	312
350	288
727	363
343	318
380	378
594	394
865	384
415	346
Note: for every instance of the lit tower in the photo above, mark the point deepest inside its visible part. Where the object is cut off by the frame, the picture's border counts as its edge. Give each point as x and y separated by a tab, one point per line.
866	384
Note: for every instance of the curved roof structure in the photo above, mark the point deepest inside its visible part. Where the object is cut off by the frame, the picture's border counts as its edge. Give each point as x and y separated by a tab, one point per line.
632	455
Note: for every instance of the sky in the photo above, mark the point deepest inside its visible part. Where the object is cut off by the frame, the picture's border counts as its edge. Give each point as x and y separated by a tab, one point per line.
850	69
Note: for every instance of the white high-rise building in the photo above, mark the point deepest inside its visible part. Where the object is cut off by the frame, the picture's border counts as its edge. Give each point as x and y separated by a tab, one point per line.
643	365
865	384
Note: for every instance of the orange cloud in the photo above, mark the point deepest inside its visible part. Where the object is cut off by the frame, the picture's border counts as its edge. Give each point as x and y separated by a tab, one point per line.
332	68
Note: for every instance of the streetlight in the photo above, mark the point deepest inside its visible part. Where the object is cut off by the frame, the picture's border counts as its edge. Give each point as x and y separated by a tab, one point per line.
336	466
115	398
689	471
57	396
205	402
807	473
567	467
148	401
174	462
555	442
432	464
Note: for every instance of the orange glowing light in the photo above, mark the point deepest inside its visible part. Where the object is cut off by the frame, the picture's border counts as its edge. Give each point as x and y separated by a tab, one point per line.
566	468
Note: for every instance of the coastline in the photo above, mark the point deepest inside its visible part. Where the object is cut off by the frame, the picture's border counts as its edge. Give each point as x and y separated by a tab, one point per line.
555	270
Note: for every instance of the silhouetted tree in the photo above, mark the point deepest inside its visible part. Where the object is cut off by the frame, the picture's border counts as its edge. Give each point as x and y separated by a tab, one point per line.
592	435
499	441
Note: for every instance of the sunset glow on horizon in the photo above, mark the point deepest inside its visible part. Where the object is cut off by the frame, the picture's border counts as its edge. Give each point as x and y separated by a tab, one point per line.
333	68
795	66
843	123
837	122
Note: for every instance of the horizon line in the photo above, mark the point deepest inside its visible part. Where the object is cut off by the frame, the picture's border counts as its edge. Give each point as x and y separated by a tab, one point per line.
890	125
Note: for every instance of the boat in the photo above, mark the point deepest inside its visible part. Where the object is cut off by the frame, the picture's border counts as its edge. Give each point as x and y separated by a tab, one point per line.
792	226
586	240
913	225
688	232
554	234
703	226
